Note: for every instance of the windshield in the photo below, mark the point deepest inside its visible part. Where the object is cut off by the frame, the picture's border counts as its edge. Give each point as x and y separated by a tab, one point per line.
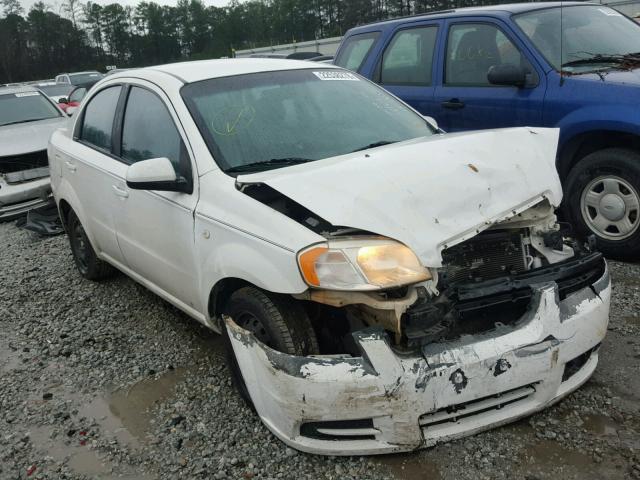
25	107
56	90
293	116
589	33
80	78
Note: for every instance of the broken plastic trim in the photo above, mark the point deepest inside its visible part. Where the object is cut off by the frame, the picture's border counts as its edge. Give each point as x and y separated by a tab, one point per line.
270	197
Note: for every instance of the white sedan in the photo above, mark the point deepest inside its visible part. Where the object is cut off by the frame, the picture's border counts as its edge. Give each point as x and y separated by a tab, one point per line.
381	286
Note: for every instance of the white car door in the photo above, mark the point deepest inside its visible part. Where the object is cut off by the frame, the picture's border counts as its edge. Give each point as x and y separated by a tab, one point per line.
87	163
155	229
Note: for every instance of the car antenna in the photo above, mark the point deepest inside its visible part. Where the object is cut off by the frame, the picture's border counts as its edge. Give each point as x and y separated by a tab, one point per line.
561	47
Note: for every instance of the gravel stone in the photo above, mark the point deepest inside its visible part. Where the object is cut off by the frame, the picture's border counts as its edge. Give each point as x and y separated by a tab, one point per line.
106	380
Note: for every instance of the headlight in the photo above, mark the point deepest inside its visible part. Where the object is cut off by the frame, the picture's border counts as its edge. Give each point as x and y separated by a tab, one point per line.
371	264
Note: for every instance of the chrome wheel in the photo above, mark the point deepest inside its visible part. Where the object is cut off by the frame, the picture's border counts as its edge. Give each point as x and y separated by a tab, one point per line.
611	207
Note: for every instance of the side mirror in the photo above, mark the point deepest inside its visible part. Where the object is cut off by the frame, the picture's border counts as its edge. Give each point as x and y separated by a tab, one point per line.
156	174
71	110
63	100
431	121
507	75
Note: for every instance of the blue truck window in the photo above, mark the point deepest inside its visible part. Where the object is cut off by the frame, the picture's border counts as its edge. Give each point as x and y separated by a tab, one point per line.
472	49
409	57
355	50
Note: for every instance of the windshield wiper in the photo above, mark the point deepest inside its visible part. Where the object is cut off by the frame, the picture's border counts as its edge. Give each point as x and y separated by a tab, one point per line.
604	58
268	164
381	143
25	121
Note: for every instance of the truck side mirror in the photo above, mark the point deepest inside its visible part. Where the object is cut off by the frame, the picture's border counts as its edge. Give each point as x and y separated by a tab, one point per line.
507	75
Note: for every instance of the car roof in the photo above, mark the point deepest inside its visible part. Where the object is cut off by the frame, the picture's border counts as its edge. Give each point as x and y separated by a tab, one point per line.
509	8
13	90
189	72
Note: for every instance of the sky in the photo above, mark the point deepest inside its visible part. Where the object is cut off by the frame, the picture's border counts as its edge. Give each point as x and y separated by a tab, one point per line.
55	4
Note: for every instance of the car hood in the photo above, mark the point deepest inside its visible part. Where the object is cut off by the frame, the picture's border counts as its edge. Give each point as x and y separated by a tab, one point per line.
428	193
28	137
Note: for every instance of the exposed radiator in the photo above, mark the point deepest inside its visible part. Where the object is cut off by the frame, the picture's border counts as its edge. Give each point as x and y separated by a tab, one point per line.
486	256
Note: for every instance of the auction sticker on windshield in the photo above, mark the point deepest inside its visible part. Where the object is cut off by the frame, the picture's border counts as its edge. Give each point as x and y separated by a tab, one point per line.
333	75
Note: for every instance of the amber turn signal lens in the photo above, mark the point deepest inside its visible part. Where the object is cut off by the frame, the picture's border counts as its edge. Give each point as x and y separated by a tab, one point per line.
307	263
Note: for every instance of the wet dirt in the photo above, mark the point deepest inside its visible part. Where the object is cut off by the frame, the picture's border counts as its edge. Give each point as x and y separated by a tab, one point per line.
411	466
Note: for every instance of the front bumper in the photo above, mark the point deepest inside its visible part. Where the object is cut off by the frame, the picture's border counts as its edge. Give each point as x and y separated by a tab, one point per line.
383	402
18	198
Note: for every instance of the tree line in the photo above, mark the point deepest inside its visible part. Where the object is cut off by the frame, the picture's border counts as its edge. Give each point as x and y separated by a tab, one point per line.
42	42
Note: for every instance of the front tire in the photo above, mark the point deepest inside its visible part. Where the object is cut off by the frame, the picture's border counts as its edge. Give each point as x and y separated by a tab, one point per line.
603	198
84	256
278	321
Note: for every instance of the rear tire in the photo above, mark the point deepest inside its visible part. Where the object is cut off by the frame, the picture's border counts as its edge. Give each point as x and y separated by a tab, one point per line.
84	256
603	198
278	321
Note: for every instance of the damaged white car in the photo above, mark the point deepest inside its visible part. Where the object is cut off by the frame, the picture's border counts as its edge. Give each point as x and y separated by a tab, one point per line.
27	120
381	286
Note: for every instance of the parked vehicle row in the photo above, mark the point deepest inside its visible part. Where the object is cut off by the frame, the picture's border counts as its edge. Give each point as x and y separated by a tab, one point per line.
372	277
495	67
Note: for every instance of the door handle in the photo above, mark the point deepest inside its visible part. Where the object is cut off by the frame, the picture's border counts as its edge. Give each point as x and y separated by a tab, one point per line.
70	166
453	104
121	192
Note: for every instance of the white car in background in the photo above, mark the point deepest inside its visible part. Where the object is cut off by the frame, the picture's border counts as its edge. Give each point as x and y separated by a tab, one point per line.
78	78
27	120
380	286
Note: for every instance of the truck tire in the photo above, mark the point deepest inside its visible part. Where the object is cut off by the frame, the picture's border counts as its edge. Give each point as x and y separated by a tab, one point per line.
602	197
84	256
278	321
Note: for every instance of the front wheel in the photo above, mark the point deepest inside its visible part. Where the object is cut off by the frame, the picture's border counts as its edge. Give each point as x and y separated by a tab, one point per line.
603	198
277	321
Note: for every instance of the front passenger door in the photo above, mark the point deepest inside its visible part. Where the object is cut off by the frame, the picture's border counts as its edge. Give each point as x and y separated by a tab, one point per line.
154	228
466	100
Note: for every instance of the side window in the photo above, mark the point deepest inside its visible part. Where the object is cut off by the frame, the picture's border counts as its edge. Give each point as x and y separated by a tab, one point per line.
97	123
472	49
148	130
355	50
409	57
78	94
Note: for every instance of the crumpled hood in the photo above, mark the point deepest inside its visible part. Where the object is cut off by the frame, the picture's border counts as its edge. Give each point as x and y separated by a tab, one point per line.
428	193
28	137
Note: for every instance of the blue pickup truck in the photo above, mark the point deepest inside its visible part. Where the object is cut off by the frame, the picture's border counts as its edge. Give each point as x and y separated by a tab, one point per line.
570	65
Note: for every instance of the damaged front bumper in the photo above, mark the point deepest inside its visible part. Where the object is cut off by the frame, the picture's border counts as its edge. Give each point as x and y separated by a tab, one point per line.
23	191
385	402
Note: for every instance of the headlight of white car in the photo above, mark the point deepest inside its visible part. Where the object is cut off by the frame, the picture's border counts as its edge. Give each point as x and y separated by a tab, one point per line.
371	264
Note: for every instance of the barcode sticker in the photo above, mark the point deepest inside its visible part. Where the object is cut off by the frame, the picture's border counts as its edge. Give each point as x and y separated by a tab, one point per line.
336	75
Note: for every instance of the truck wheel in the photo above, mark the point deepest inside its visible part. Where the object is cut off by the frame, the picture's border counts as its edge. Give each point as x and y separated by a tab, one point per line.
603	197
87	262
276	320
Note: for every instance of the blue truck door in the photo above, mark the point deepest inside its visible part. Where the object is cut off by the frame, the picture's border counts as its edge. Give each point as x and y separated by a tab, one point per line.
406	64
464	99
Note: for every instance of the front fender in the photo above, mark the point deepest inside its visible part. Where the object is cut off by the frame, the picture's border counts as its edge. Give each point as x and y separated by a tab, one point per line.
227	252
623	119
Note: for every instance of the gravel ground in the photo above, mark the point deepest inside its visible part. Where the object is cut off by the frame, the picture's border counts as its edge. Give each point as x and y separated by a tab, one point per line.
108	381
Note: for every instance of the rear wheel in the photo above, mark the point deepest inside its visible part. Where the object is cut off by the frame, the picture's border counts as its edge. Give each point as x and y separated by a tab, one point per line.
278	321
603	197
84	256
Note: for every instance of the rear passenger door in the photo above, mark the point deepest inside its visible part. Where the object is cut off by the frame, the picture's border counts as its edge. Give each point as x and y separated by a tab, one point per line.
90	166
466	100
407	64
